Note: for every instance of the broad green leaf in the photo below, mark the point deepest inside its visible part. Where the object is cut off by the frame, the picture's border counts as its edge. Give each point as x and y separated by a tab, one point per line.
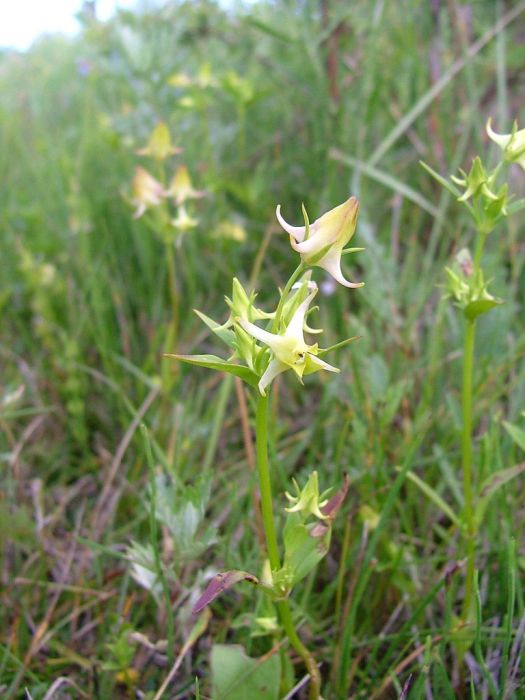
304	547
236	676
481	306
219	365
517	434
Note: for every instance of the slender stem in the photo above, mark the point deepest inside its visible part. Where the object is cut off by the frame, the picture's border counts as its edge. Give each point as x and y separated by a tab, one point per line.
172	280
469	521
466	460
265	485
478	252
284	296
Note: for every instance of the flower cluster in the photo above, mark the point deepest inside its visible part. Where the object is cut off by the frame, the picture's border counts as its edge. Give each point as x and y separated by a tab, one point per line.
259	354
466	284
148	192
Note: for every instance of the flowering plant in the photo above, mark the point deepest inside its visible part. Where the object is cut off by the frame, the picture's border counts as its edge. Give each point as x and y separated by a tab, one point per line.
258	355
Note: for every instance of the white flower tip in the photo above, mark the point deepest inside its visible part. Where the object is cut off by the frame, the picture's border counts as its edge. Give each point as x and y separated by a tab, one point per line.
350	285
297	232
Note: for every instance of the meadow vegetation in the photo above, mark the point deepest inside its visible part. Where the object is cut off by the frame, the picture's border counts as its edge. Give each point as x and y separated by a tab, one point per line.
129	480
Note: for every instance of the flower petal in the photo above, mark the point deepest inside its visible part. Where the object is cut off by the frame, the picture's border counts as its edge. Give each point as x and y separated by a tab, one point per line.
296	325
274	368
331	262
259	333
298	232
501	139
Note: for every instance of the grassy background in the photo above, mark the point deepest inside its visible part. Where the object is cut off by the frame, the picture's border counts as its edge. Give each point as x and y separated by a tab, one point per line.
308	102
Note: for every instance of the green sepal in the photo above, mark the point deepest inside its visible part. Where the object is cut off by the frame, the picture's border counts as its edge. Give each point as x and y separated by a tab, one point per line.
245	346
306	222
314	259
322	351
225	334
219	365
347	251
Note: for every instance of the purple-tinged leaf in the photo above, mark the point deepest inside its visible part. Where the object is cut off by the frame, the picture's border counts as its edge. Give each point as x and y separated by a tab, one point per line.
220	583
333	506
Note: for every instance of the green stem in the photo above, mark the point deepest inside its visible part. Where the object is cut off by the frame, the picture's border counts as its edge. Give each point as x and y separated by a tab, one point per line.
172	280
478	252
469	521
284	296
265	486
466	461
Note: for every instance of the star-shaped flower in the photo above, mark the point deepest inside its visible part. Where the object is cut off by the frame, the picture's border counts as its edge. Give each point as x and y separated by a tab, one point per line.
289	349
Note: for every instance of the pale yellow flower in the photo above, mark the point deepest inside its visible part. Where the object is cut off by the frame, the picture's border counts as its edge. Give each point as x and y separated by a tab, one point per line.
321	243
513	144
183	221
289	350
147	191
159	144
181	188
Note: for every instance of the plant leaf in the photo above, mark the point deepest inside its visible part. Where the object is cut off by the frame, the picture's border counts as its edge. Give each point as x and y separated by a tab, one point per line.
517	434
494	482
434	496
225	334
219	365
442	181
236	676
220	583
481	306
516	206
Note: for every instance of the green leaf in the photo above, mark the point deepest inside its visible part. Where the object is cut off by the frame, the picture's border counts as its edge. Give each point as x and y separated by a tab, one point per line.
219	365
304	547
481	306
516	206
442	181
517	434
225	334
494	482
388	180
236	676
434	496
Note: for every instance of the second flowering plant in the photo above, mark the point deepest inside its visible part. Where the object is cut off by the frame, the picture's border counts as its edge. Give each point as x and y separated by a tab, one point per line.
261	346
